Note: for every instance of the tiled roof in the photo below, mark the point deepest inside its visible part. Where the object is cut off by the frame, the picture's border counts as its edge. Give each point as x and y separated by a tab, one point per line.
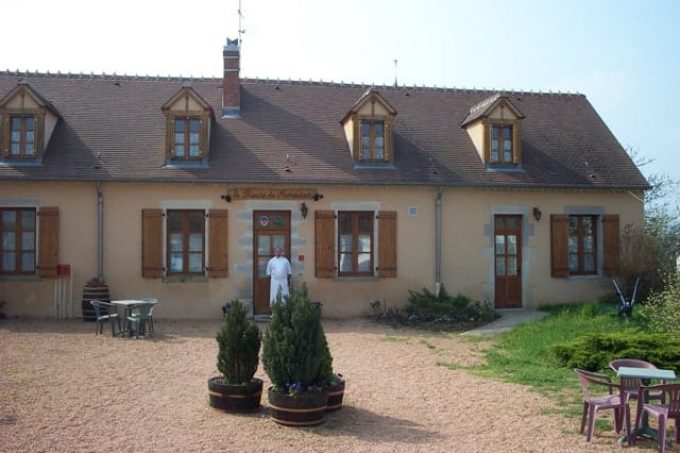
290	132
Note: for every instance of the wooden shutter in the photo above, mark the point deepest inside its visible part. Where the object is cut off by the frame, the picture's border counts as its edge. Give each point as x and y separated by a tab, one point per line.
48	242
387	244
559	245
218	266
324	244
610	227
152	243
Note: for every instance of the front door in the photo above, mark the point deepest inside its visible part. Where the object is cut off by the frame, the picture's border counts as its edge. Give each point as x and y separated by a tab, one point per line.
271	229
508	261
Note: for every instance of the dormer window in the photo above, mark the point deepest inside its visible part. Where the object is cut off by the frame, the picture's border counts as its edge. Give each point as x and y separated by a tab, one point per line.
22	136
494	126
368	129
188	128
501	144
27	122
187	138
372	140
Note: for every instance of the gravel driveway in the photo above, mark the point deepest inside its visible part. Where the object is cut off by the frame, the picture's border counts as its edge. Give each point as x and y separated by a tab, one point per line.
64	389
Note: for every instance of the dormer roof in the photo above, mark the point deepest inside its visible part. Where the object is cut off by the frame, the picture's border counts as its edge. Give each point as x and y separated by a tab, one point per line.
184	93
25	88
486	106
370	95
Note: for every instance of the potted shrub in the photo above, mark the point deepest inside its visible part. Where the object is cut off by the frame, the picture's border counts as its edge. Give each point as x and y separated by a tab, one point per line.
334	383
236	390
297	360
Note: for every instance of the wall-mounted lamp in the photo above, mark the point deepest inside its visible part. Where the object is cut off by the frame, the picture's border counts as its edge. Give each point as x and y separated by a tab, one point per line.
226	198
317	196
304	210
537	213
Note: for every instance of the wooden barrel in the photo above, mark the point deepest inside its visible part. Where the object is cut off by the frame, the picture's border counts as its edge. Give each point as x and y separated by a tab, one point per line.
336	392
235	398
93	290
305	409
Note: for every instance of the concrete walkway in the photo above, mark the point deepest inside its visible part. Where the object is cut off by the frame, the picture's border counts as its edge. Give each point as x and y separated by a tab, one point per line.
509	319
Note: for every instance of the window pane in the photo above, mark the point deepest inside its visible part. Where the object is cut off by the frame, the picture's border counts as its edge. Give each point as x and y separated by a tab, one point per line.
365	128
279	240
588	244
587	225
179	151
28	241
193	138
494	155
345	262
364	262
194	151
28	262
511	222
512	244
365	222
194	125
500	244
344	223
9	241
573	225
262	266
28	220
179	139
176	263
9	262
179	126
573	262
589	263
176	242
196	262
14	149
379	129
29	123
196	242
573	244
494	133
9	220
500	266
345	242
507	132
379	154
30	138
174	222
263	246
364	243
507	156
512	265
196	221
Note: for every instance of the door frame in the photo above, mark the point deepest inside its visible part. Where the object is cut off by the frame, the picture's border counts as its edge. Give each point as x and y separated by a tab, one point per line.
518	233
260	229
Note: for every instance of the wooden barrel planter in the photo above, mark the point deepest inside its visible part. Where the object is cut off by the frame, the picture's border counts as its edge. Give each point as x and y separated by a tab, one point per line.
93	290
235	398
305	409
336	392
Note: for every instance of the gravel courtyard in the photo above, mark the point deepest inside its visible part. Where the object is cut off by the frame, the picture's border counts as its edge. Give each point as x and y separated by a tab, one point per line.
64	389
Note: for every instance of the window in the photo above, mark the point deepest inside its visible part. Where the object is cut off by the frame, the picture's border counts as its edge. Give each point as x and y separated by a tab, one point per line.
186	241
355	243
22	136
501	144
17	230
372	140
187	142
582	245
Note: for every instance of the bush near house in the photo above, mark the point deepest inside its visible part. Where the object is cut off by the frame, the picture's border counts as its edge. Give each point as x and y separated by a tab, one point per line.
662	310
595	351
428	306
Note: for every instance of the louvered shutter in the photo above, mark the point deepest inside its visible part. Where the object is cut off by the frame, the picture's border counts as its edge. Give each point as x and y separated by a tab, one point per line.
387	244
48	242
152	243
610	227
559	245
324	244
218	266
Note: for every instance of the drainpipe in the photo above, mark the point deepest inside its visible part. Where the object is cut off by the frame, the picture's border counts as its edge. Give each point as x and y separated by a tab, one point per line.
100	233
438	241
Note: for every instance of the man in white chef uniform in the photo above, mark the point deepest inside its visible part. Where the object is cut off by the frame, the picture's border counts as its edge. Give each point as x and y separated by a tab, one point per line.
278	268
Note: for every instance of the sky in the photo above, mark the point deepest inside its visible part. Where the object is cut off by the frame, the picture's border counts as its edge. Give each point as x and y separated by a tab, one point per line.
623	55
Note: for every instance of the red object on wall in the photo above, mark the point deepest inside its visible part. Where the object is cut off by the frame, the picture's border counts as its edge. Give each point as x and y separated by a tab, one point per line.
63	269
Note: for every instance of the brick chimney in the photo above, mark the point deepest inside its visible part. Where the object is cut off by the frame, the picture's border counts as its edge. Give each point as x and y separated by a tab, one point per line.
231	96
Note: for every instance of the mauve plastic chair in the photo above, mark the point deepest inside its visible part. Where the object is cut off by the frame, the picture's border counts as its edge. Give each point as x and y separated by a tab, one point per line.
618	402
105	311
632	385
669	407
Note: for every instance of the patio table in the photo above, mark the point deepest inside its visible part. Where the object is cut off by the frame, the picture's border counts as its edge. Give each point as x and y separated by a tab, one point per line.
646	376
127	305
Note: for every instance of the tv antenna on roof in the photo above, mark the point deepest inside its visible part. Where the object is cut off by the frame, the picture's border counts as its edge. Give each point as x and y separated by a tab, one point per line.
240	28
396	62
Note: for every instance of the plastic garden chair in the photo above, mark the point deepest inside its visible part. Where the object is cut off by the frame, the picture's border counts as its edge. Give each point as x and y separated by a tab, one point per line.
141	315
669	407
632	385
105	311
592	403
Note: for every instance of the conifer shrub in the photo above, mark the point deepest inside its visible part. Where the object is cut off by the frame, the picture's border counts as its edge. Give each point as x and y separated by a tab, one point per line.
239	342
428	306
295	352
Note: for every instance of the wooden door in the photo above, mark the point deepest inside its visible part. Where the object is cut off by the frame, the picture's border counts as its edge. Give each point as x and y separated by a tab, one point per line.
271	229
508	261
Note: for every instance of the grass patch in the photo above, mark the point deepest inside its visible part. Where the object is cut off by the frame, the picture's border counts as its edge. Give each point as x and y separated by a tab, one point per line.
394	339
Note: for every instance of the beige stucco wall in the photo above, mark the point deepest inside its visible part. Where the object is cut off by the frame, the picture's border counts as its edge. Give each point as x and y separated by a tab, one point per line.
476	133
22	102
467	256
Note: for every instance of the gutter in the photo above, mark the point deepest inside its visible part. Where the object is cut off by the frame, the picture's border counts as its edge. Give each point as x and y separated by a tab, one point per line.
100	232
438	241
